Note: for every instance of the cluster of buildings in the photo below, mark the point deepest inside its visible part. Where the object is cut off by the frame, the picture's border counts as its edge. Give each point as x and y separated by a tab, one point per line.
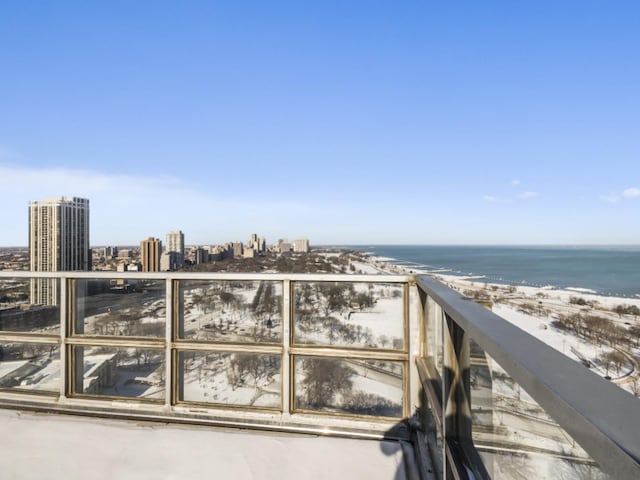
155	258
59	241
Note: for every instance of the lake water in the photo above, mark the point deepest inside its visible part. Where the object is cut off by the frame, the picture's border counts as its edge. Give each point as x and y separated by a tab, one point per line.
606	270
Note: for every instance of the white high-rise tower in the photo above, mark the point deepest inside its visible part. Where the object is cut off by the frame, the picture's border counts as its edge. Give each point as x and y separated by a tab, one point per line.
58	241
174	250
175	242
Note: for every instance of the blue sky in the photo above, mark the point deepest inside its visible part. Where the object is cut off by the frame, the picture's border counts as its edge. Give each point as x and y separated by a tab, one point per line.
345	122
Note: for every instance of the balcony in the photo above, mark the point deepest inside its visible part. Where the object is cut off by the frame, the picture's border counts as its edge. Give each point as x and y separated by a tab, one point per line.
404	368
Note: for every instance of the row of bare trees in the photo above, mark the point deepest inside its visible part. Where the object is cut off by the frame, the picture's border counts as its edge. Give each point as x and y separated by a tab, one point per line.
600	330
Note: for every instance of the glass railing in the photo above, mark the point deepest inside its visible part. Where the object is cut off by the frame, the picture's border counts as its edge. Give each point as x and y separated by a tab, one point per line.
320	352
506	406
370	356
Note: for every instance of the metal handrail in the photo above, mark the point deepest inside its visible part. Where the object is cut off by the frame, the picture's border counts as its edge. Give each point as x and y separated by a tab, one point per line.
600	416
213	276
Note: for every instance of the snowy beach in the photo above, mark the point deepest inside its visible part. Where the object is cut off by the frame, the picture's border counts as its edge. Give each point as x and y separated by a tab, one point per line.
611	350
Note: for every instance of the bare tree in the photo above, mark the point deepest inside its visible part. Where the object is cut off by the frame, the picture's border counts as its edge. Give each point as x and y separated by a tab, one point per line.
323	379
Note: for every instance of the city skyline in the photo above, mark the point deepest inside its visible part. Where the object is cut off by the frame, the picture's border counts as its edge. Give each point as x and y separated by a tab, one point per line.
359	123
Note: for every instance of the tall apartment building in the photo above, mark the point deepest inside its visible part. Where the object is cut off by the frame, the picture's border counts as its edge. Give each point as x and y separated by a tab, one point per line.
257	243
175	242
174	250
58	241
301	245
238	250
150	251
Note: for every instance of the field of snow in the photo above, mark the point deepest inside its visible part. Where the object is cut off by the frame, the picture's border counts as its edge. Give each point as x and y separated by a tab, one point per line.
232	379
233	311
350	323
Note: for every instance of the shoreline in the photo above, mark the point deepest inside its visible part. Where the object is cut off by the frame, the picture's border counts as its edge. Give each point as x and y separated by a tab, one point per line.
388	265
605	270
540	310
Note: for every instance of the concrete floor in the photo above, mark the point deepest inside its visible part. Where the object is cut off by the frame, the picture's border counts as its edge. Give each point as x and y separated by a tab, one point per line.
46	446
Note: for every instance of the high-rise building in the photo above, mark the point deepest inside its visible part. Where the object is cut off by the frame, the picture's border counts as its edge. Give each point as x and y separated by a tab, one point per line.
175	242
259	244
58	241
150	250
174	248
238	250
301	245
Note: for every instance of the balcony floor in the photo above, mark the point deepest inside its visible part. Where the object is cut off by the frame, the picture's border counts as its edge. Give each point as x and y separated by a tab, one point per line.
37	446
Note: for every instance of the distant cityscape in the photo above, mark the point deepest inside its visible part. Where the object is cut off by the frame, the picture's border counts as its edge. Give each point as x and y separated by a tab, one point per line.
59	240
105	310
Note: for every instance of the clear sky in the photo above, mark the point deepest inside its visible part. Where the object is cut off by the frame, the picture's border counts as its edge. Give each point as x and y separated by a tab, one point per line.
370	122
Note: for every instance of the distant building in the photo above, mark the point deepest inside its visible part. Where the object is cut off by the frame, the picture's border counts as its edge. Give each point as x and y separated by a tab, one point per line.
237	249
250	253
58	242
126	253
150	250
111	252
301	245
174	242
257	243
170	261
283	245
201	255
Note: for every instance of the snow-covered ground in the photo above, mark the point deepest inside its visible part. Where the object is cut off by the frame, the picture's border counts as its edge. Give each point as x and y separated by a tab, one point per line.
232	379
379	324
233	311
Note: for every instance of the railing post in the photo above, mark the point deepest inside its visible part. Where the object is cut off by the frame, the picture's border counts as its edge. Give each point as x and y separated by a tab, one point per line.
457	402
64	319
171	390
287	328
414	319
464	458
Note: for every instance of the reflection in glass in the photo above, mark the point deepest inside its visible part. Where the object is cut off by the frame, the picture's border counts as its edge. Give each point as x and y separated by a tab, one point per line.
515	436
234	311
248	379
434	343
120	307
30	366
347	314
358	387
120	372
19	314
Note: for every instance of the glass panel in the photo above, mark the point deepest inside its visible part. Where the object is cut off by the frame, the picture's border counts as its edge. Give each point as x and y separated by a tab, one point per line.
346	314
249	379
237	311
358	387
515	436
120	372
434	326
120	307
21	309
30	366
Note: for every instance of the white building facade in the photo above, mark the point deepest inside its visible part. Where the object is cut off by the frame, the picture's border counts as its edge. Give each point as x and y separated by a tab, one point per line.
58	241
174	247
